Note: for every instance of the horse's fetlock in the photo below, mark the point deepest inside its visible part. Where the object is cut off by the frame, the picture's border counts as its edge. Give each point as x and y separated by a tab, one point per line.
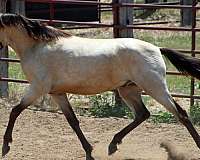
116	139
89	149
89	157
112	148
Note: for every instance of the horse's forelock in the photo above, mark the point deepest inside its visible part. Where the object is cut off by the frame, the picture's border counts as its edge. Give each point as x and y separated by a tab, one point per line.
9	19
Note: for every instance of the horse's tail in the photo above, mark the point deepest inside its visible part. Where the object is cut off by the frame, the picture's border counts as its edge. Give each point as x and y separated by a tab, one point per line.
185	64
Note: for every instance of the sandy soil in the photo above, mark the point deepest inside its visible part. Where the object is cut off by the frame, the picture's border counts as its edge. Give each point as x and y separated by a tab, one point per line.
47	136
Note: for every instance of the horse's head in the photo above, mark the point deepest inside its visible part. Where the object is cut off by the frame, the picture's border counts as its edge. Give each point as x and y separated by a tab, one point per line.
6	21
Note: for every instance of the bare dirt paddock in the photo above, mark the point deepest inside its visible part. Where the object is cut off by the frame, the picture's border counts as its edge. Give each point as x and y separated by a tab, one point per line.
47	136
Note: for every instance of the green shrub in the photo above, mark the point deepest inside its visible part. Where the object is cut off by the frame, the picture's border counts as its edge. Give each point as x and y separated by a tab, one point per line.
162	117
195	113
103	105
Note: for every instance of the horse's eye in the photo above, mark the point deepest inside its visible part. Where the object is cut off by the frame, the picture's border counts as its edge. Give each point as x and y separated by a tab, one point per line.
1	45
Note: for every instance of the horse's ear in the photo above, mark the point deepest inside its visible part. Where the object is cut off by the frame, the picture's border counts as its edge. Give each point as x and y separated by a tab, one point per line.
1	23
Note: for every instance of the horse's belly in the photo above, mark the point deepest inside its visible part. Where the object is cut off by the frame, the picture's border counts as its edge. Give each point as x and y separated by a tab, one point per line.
82	89
87	86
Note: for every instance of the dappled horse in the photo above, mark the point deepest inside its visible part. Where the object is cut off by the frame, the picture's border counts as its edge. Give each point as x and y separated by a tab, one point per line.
56	63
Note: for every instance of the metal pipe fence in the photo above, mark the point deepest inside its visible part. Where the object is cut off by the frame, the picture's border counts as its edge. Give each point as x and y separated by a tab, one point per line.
193	29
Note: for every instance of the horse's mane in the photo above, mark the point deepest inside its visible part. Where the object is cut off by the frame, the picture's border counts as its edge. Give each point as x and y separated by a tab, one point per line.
35	29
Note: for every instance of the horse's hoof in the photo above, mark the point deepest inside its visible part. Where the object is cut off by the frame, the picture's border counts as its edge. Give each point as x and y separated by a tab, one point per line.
5	149
112	148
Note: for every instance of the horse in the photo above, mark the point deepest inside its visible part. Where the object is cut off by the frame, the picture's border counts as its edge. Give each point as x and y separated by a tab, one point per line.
56	62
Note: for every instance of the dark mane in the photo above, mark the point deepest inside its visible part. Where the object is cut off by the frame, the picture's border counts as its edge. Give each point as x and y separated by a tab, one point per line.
35	29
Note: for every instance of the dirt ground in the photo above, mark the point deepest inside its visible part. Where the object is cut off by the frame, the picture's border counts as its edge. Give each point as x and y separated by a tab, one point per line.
47	136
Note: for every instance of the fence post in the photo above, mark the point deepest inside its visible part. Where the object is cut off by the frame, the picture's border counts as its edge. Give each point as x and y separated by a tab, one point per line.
186	14
193	48
125	18
3	65
122	16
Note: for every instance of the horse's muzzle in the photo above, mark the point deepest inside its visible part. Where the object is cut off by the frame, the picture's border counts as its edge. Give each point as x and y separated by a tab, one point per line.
1	46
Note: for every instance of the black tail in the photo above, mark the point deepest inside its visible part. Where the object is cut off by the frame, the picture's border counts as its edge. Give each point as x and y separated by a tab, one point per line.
185	64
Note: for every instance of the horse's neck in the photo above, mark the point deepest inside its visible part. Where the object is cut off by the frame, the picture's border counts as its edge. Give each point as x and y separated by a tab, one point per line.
19	41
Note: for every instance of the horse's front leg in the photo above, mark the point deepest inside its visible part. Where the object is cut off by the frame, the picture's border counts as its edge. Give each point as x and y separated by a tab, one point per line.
67	110
31	95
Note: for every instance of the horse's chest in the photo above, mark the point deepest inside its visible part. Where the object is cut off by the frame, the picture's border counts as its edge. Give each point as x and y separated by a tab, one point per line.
33	71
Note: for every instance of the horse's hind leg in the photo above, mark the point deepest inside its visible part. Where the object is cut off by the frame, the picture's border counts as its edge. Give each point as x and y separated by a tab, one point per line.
132	96
183	117
160	93
66	108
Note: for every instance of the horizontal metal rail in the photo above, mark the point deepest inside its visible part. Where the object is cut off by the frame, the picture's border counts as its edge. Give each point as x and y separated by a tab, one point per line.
92	24
70	2
157	28
175	73
155	6
180	95
155	22
167	3
185	96
13	80
10	60
150	6
134	24
99	25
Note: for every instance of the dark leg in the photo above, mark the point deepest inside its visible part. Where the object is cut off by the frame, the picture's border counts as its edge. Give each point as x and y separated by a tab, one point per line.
183	117
74	123
8	134
117	139
31	95
132	97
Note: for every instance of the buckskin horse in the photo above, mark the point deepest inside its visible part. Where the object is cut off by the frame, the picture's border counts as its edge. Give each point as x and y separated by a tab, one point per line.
57	63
